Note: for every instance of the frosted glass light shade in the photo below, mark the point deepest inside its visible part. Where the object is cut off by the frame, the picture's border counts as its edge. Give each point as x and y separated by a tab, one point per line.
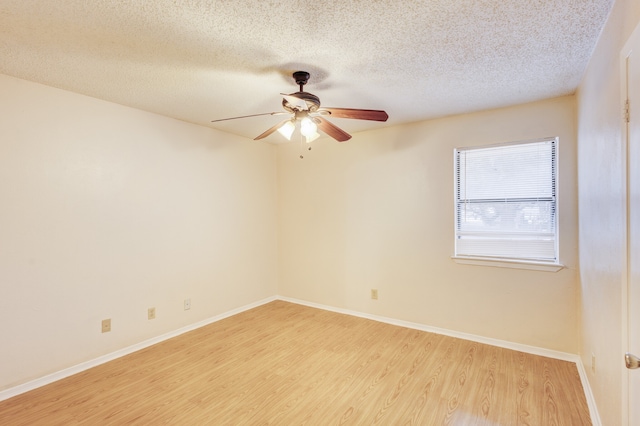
287	129
308	127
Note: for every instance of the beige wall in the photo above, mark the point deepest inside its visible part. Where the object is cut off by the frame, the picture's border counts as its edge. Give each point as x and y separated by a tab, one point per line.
107	211
377	212
602	216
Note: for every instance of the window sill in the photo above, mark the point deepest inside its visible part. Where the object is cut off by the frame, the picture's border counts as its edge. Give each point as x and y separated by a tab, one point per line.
504	263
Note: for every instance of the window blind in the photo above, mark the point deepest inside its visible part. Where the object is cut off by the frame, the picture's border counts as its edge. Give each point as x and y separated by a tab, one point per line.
506	201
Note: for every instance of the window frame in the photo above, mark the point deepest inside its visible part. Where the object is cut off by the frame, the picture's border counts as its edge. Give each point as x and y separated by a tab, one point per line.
510	262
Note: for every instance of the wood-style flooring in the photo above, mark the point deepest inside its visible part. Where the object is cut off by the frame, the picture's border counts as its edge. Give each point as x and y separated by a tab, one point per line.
286	364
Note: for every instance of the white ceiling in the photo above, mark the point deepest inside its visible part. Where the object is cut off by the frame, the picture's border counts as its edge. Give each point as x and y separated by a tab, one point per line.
199	60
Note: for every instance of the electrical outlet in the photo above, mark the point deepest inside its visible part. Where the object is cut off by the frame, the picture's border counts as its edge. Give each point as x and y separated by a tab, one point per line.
593	362
151	313
187	304
106	325
374	293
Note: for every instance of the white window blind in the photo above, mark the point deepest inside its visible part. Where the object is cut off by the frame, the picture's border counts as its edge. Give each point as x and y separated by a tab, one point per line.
505	199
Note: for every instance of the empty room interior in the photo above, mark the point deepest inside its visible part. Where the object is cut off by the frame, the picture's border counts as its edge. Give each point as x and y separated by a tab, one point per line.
168	254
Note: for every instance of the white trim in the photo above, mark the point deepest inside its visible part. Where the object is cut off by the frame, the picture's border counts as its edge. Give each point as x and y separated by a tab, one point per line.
507	263
508	143
534	350
626	281
564	356
588	394
50	378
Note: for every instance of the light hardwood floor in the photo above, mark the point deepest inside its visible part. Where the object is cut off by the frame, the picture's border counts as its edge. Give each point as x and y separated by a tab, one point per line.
286	364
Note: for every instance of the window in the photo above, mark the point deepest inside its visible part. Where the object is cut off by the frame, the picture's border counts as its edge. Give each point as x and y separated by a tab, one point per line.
505	202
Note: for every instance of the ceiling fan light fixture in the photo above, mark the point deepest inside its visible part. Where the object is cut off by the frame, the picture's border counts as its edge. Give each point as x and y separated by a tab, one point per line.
287	129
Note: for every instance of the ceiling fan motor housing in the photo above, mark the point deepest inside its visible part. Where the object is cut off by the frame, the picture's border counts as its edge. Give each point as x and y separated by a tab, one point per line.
312	101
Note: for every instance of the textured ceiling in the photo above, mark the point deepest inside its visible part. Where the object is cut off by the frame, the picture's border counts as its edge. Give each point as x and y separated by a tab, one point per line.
199	60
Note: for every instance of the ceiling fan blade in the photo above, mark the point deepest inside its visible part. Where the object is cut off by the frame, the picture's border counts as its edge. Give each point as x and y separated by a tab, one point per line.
332	130
296	102
357	114
270	130
247	116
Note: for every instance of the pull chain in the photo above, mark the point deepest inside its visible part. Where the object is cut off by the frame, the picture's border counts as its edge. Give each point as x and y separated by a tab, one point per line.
301	148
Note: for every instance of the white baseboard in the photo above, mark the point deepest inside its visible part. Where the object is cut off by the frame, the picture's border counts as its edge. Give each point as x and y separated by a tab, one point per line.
534	350
564	356
591	401
50	378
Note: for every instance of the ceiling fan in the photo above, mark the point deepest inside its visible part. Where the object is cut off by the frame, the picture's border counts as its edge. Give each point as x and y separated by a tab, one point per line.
304	108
